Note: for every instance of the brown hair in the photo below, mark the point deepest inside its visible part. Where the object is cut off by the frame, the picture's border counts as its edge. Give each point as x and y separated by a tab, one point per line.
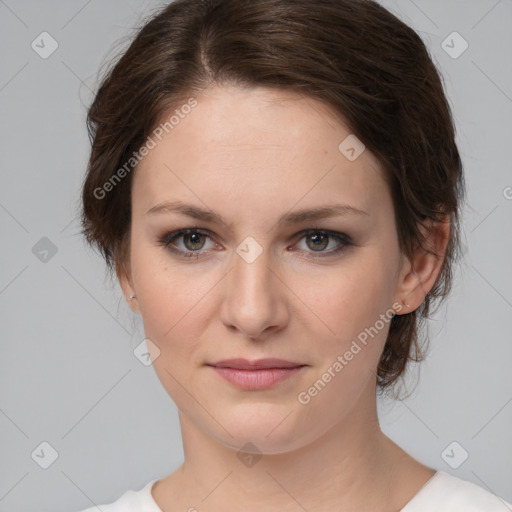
354	55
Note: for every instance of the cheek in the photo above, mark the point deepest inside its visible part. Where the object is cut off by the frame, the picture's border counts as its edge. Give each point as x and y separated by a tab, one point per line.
170	300
157	281
173	311
355	306
353	298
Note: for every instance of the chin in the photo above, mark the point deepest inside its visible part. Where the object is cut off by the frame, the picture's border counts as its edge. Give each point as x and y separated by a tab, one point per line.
263	428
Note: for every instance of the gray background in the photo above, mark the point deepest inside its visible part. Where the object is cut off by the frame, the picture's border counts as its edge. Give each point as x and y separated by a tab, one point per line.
68	375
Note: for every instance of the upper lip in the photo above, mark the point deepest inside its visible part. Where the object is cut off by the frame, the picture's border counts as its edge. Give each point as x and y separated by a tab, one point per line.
245	364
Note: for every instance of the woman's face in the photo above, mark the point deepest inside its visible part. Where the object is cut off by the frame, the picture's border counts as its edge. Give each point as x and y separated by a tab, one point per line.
255	284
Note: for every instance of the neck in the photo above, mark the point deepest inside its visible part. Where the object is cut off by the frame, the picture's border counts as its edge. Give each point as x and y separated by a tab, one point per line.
352	467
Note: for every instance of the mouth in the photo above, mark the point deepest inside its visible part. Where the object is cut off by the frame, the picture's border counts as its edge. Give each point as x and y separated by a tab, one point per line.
257	374
257	364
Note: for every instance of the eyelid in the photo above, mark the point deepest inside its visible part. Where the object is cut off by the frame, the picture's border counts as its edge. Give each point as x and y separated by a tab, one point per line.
335	234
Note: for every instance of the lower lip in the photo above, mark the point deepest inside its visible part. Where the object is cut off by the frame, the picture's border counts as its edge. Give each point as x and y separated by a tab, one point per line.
262	378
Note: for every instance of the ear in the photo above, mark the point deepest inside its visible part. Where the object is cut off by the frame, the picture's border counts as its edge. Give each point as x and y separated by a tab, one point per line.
125	281
417	277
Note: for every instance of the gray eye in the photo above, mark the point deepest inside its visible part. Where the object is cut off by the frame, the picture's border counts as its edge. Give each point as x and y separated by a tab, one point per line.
319	241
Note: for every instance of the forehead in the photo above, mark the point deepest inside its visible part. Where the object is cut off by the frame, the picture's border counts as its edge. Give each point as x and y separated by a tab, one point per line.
257	144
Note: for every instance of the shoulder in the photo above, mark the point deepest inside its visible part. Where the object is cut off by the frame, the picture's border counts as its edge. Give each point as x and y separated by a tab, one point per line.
130	501
447	493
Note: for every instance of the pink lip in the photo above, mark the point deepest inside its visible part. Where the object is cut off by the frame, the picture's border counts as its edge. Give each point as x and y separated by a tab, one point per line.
258	374
245	364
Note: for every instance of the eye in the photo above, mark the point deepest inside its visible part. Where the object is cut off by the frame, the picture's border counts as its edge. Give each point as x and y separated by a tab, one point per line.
193	242
318	240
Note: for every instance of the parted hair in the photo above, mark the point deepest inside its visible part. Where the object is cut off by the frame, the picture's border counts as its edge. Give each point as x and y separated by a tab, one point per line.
355	56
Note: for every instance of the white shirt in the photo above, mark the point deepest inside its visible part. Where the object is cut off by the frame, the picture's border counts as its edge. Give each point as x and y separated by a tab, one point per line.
442	493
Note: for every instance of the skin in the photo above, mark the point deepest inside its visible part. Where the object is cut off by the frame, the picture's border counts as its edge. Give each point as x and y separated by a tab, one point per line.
252	155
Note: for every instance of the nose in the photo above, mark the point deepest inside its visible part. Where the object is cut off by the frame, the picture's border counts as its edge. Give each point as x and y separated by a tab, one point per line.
255	299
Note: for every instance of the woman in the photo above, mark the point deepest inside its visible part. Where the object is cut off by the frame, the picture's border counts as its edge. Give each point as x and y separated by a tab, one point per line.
277	187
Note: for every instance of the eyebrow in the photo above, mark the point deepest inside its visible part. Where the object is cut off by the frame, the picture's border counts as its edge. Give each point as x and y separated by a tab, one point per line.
295	217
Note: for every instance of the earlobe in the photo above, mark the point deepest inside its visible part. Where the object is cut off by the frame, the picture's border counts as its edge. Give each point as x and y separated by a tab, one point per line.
127	287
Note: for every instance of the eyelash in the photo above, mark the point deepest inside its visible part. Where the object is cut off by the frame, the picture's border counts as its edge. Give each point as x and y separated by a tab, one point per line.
167	239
